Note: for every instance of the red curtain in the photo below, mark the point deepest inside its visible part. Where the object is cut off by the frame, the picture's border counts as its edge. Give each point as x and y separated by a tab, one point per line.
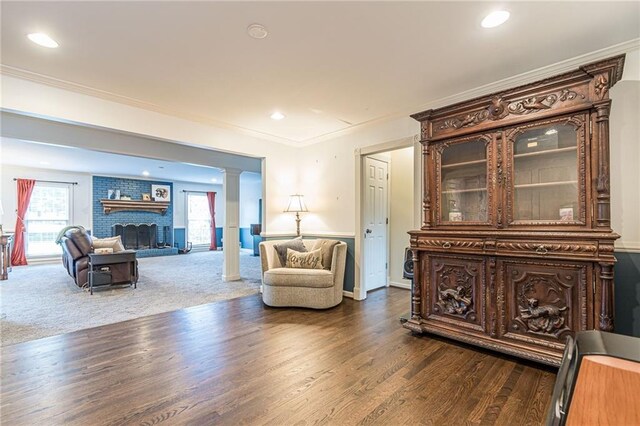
211	196
25	188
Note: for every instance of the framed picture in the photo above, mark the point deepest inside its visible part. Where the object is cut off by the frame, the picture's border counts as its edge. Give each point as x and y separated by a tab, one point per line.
116	194
161	192
146	197
111	194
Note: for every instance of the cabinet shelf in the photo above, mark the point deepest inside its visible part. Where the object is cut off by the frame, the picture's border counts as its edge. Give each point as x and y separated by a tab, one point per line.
464	163
461	191
545	152
546	184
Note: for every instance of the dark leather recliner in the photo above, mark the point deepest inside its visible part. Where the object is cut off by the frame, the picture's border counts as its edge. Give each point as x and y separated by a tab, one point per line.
76	245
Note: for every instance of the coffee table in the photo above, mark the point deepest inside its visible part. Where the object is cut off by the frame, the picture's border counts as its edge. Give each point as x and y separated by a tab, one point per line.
98	277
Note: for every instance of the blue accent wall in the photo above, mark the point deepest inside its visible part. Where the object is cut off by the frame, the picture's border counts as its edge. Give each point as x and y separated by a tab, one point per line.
219	237
179	237
627	293
103	223
246	239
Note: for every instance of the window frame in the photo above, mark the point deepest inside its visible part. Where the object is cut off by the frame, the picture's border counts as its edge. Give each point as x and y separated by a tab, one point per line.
186	216
69	220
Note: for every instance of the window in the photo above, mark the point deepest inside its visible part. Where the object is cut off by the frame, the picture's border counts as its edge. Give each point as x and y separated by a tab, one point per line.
198	219
49	212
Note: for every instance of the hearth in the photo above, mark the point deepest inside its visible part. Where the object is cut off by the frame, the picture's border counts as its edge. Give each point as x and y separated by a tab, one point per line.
137	237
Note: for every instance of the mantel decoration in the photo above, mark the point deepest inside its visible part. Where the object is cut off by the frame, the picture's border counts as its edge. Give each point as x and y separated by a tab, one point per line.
296	205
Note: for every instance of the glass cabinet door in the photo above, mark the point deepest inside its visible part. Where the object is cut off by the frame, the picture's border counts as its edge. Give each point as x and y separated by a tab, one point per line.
463	171
546	182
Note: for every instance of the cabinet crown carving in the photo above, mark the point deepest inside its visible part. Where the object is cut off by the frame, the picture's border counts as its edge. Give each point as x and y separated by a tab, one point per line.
565	91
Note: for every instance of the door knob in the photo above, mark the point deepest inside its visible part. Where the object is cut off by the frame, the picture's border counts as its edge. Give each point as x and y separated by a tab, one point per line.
368	231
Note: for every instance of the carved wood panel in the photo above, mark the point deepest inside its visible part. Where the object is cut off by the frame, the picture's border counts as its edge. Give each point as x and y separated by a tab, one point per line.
500	107
543	301
457	290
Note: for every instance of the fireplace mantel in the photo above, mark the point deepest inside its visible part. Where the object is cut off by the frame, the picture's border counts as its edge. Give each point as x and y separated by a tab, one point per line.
112	206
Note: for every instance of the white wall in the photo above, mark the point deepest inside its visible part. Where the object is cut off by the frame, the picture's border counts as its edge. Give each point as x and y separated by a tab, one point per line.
328	177
82	212
250	195
324	172
401	210
180	204
625	163
280	172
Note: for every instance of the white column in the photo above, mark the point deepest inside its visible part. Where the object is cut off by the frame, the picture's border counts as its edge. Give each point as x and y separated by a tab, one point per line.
231	229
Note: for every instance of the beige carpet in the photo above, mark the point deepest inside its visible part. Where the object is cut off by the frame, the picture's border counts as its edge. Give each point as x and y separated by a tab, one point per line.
42	300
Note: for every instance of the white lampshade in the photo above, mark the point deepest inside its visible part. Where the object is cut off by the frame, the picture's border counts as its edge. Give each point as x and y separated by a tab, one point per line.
296	204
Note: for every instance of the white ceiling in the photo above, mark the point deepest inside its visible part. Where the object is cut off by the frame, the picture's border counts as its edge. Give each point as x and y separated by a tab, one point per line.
326	65
70	159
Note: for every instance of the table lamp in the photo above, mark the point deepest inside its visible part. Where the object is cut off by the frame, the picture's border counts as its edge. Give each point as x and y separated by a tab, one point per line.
296	205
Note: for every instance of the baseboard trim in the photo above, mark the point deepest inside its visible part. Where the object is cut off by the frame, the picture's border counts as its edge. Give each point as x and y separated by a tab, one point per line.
348	294
400	285
628	247
231	277
43	260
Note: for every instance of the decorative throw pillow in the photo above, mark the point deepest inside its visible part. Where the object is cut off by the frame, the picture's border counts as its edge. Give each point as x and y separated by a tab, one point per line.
114	243
281	249
298	260
326	246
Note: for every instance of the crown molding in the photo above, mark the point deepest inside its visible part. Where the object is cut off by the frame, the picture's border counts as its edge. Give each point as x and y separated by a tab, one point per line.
504	84
136	103
497	86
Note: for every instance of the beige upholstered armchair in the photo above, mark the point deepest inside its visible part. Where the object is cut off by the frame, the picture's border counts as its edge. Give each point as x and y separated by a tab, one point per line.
307	288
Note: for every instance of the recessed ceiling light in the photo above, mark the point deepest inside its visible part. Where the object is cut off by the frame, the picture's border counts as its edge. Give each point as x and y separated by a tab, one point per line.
494	19
214	180
43	40
145	173
257	31
277	115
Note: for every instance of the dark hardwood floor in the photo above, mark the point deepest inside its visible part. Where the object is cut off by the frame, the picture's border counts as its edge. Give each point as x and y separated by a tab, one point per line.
239	362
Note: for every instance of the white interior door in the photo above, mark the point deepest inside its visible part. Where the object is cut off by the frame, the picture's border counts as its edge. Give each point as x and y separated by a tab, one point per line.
375	223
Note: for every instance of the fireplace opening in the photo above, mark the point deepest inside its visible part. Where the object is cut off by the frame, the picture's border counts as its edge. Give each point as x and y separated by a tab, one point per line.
137	237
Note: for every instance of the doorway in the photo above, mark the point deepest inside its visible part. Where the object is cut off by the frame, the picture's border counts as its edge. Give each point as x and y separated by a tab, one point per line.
388	187
376	221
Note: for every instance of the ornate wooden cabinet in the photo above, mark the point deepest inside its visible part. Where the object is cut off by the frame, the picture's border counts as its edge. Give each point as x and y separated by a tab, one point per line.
515	252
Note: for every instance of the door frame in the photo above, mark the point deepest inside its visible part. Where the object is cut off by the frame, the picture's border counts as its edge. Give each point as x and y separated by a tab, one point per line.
359	291
387	161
